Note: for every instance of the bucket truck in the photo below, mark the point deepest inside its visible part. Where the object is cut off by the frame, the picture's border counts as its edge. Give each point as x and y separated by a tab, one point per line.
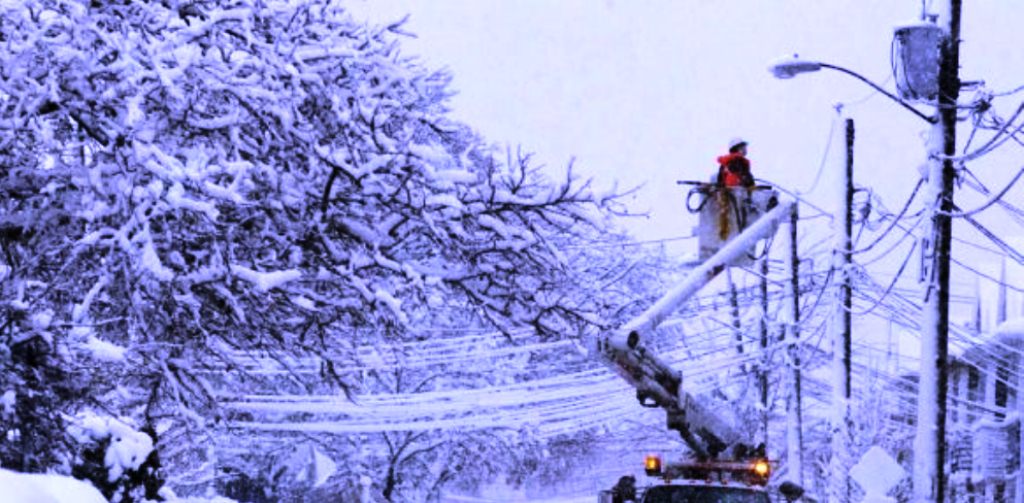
658	384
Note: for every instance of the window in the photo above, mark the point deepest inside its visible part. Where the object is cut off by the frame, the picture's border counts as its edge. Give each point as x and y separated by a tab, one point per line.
973	391
954	404
1002	391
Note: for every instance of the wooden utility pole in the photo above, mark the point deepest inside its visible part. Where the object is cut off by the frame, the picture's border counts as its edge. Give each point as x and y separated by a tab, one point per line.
794	407
847	262
841	331
762	375
929	441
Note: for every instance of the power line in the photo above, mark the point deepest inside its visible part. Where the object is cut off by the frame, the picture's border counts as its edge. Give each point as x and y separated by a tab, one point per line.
624	244
979	247
992	200
907	232
986	276
1007	249
995	142
1013	211
795	195
867	97
824	156
1008	93
892	284
895	221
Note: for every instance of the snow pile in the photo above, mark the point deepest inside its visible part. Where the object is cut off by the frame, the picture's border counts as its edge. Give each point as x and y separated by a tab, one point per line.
323	467
266	281
307	465
128	448
169	496
215	499
40	488
103	350
7	402
42	320
1011	328
48	488
877	473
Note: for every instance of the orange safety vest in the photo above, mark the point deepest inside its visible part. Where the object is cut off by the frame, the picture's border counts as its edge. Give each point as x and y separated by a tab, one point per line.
732	168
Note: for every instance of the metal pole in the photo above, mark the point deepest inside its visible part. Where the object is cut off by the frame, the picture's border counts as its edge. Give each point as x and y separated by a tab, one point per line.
929	441
880	89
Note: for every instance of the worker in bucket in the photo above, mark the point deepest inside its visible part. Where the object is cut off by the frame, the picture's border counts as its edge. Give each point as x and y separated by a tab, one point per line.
734	167
733	171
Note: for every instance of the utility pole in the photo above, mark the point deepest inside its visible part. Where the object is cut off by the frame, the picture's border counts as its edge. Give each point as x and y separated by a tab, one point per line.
762	376
794	407
929	441
841	331
1018	496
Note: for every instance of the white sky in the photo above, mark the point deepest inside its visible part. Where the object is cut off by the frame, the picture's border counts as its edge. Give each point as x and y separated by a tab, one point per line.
648	91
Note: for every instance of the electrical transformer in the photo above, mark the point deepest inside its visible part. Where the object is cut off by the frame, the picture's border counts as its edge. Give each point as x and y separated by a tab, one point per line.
916	57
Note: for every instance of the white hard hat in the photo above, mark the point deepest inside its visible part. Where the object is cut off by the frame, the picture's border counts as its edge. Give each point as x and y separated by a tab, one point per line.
736	141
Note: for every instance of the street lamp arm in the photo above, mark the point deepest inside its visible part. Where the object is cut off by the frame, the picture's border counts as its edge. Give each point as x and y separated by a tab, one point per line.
930	120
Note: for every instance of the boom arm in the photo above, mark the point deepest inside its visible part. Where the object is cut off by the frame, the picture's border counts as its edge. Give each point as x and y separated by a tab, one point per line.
658	384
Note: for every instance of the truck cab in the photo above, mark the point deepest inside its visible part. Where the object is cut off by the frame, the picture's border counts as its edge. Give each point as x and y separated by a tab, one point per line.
704	492
698	481
693	492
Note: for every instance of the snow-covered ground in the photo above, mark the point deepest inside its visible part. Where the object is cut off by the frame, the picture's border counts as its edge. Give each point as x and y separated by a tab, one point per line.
39	488
556	499
49	488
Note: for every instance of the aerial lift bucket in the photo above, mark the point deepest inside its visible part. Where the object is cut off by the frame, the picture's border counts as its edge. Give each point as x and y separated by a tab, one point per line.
725	212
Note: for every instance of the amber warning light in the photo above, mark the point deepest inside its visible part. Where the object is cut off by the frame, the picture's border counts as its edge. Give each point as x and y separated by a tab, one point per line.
652	464
761	468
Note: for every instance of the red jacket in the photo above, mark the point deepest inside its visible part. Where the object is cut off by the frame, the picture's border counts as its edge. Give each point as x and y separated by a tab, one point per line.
734	171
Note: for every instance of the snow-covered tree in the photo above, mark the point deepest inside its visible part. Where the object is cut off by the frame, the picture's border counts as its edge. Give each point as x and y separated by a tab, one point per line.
186	182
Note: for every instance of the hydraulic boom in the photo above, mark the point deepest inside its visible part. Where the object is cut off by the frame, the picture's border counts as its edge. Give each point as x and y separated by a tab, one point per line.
657	383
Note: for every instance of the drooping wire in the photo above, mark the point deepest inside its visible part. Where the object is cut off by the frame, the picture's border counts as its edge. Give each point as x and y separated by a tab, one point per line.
895	221
795	195
992	200
824	156
1001	136
866	98
892	284
986	276
976	123
1006	248
1015	212
978	246
626	243
907	232
1008	93
997	124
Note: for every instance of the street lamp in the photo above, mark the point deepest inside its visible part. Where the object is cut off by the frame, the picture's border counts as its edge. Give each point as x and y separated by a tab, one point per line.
788	68
929	479
842	333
